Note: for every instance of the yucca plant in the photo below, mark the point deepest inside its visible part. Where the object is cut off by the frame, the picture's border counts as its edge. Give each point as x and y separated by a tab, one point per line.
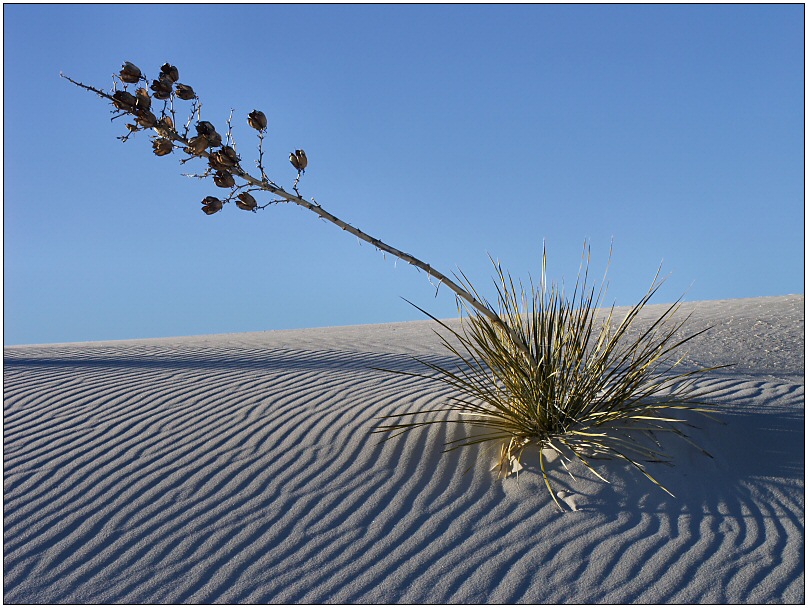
586	388
536	369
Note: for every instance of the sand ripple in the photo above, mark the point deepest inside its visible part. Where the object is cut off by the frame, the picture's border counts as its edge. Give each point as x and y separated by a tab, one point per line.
187	472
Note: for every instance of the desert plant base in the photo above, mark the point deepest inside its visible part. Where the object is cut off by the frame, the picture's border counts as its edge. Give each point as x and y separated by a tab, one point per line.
586	391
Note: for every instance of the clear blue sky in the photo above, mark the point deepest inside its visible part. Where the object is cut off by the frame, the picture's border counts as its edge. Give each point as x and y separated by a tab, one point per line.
450	132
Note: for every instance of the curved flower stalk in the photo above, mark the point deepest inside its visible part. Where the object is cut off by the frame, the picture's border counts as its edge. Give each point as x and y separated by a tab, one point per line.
224	164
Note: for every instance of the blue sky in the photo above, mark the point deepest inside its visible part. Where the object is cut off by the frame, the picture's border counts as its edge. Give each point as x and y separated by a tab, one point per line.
451	132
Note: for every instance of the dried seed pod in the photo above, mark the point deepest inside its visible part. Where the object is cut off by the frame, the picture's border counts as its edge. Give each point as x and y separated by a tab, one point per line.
214	164
160	94
162	87
130	73
203	127
211	204
231	154
146	119
220	161
294	161
185	92
197	145
246	202
170	72
301	159
223	179
226	157
257	120
124	100
209	131
162	146
143	99
215	139
165	126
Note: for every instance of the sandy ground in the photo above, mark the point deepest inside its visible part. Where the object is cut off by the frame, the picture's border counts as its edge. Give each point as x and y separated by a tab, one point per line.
240	469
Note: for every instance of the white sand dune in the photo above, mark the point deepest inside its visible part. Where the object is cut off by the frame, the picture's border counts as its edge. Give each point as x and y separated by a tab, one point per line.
240	469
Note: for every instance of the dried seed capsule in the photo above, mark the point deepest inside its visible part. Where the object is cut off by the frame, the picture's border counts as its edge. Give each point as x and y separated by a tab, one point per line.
130	73
160	94
301	159
165	126
197	145
203	127
246	202
211	204
226	157
220	161
143	99
215	165
257	120
230	153
215	139
162	87
185	92
146	119
223	179
162	146
124	100
294	161
170	71
208	130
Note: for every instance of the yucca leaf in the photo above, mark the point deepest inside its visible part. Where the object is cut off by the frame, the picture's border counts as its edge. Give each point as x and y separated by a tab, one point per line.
575	379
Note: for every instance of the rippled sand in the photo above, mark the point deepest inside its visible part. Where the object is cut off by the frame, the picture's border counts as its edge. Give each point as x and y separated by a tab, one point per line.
240	469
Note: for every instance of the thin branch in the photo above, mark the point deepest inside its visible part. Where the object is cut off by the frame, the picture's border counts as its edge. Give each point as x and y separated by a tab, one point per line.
173	115
229	141
260	162
99	92
196	108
